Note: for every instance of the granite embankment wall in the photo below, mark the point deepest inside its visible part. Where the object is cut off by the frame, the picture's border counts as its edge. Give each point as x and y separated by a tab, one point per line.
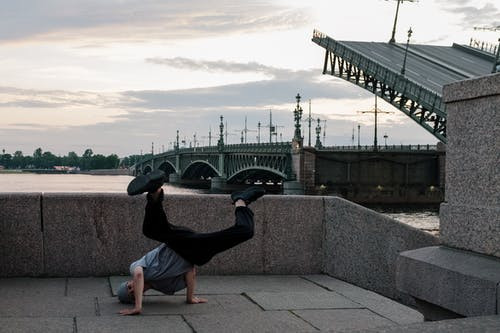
101	234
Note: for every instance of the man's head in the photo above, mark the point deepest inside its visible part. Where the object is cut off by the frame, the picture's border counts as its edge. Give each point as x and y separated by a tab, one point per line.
126	292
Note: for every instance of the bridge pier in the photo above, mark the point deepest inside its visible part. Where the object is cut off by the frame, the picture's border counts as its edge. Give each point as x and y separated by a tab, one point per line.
174	178
293	187
218	183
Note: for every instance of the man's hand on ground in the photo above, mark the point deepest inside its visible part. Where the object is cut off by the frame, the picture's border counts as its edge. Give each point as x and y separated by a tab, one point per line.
196	300
128	312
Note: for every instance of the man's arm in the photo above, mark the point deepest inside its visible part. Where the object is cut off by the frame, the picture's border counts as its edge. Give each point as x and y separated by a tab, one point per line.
191	283
138	290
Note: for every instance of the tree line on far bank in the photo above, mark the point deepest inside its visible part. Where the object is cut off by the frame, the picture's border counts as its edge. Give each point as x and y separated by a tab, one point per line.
47	160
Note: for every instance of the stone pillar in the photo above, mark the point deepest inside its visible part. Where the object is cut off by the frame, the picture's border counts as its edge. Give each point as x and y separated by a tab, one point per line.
218	183
470	216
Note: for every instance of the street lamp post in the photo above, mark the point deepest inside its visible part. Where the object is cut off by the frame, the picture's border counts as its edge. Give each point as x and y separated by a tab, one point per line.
406	52
393	39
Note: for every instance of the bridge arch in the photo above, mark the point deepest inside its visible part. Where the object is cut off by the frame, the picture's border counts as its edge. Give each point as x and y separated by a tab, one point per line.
167	167
200	168
146	169
256	173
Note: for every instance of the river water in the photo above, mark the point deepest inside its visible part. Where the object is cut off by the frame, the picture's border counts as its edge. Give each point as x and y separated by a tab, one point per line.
425	218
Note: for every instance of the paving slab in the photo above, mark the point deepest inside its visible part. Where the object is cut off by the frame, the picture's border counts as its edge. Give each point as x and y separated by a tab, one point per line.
484	324
90	286
379	304
41	306
268	321
238	284
176	305
35	325
341	319
32	287
123	324
301	300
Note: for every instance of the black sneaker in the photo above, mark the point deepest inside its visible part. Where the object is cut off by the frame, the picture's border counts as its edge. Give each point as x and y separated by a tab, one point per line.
146	183
249	195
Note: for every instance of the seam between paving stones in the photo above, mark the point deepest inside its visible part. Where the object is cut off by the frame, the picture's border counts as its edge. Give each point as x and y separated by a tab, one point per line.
66	287
307	322
252	301
96	307
339	293
75	327
110	287
188	323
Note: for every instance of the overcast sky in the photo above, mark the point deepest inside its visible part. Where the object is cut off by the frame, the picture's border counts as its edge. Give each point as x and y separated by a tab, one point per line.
117	75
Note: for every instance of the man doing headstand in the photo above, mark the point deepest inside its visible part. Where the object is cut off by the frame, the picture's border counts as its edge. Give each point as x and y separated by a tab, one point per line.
170	267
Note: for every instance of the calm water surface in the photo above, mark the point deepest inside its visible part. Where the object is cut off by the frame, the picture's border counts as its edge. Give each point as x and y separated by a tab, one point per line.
422	218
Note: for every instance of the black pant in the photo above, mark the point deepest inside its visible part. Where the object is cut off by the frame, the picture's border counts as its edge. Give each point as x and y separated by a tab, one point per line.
197	248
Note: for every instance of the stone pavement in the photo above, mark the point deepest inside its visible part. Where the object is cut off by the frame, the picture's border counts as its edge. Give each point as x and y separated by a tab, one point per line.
259	303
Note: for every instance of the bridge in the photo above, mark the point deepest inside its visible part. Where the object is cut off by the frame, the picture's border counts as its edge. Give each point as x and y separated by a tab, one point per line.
409	77
390	174
240	163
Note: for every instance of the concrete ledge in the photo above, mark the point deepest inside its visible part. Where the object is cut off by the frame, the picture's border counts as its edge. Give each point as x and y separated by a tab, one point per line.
21	243
361	246
460	281
473	88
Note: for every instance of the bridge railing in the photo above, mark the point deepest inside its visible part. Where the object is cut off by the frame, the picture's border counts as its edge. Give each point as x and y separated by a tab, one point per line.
382	148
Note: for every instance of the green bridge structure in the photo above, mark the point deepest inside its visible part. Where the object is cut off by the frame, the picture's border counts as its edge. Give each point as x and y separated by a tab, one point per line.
409	77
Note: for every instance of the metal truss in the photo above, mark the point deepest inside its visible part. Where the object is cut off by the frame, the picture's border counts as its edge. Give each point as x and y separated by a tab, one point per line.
279	164
422	105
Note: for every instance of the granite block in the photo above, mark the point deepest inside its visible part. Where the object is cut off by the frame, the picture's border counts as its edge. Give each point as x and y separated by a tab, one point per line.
293	234
343	319
123	324
361	246
21	241
474	228
383	306
213	213
483	324
473	88
460	281
473	152
269	321
176	305
36	325
61	307
104	231
297	300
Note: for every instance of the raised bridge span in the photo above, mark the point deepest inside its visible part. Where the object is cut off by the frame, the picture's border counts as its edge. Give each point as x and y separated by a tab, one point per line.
415	90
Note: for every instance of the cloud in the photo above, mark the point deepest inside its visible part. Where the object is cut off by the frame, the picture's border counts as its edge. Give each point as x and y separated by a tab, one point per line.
131	19
488	14
217	66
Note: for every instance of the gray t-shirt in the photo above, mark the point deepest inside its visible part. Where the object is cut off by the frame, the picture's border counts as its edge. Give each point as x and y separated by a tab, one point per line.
163	269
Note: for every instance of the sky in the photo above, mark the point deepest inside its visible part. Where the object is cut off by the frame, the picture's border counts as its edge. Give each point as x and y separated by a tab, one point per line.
121	76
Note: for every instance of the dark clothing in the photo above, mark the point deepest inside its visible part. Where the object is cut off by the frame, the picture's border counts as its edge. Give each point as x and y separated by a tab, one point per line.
197	248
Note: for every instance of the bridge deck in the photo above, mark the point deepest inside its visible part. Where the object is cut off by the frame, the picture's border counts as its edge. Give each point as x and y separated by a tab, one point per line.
430	66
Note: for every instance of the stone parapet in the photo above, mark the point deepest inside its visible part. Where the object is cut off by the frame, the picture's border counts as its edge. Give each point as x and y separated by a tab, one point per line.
361	246
21	235
75	235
